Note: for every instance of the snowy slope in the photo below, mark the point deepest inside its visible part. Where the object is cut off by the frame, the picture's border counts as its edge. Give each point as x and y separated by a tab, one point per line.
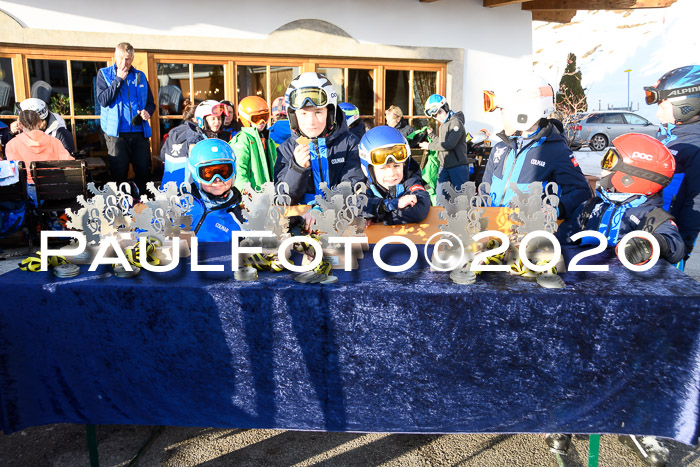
650	42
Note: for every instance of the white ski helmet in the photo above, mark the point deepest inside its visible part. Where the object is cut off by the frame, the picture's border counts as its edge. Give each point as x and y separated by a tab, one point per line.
206	108
314	89
37	105
531	100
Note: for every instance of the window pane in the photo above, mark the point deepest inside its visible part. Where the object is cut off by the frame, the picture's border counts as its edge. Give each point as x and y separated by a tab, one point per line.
361	90
424	84
168	124
49	82
173	87
594	119
89	137
614	118
337	77
280	77
84	75
251	81
208	82
7	87
633	119
397	89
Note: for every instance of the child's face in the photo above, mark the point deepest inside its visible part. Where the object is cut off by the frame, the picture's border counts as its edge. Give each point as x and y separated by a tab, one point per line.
389	175
391	119
217	187
228	118
312	120
214	122
665	112
260	125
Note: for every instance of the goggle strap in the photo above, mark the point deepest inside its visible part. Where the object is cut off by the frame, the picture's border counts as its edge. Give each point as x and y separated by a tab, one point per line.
643	173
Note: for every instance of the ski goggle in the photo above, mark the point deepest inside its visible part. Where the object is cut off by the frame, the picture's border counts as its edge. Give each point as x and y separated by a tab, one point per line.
610	160
653	95
219	110
489	101
261	117
224	170
432	111
380	156
299	98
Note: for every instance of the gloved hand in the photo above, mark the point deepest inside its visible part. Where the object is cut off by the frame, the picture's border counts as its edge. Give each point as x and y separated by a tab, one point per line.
639	250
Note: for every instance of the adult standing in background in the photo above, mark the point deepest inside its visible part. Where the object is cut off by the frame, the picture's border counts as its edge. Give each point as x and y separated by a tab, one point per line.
126	105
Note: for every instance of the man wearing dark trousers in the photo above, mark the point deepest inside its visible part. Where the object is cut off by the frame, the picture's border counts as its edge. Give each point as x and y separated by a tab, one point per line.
126	105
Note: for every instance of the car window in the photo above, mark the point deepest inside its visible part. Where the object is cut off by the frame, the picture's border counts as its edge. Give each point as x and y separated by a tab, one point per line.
614	118
633	119
595	118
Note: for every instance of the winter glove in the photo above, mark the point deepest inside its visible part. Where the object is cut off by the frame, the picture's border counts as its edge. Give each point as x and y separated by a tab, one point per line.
639	250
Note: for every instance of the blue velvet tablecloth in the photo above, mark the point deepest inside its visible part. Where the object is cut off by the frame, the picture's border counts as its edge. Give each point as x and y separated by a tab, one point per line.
615	352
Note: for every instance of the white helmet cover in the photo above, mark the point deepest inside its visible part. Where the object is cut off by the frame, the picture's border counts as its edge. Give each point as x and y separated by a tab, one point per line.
531	101
37	105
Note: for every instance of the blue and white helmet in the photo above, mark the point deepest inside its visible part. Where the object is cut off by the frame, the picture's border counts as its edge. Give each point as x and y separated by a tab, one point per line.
211	153
381	138
681	87
434	103
313	89
352	113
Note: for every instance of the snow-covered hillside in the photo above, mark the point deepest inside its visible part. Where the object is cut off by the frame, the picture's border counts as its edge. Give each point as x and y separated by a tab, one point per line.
650	42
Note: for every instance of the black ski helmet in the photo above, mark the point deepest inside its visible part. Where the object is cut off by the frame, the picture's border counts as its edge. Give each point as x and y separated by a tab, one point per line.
681	87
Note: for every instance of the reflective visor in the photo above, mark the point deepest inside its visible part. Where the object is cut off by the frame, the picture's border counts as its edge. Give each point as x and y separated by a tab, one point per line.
651	95
307	96
223	169
489	101
381	156
219	109
610	160
260	117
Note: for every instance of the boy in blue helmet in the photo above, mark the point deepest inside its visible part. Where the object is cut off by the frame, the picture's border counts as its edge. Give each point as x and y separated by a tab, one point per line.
451	145
352	118
216	213
532	148
396	193
321	149
678	95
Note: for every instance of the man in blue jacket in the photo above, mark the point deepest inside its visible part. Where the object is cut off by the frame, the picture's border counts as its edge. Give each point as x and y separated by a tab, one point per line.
678	96
532	149
321	149
126	105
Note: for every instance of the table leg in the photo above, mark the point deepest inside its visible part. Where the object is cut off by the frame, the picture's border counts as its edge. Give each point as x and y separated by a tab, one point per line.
593	448
92	445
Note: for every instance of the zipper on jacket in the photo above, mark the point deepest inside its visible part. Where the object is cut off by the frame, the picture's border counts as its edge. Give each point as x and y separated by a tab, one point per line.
612	216
513	167
201	221
128	96
318	156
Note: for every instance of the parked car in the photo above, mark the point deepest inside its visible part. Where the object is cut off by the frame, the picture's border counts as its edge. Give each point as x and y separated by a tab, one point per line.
597	129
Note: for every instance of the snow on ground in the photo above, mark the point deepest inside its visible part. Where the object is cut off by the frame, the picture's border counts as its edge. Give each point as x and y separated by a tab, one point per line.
648	41
589	161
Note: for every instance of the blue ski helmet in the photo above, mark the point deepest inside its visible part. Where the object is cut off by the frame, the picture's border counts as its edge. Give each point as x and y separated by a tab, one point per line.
379	145
352	113
681	87
210	159
434	103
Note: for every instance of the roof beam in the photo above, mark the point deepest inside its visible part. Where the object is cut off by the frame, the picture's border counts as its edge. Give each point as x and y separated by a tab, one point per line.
594	4
494	3
553	16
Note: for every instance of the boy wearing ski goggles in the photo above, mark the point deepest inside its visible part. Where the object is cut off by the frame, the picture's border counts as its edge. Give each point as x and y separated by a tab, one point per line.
216	176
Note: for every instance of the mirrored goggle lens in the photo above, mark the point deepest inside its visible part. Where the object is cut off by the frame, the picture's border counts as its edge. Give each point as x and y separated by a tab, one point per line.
610	160
263	117
651	96
381	156
489	101
308	96
219	110
223	170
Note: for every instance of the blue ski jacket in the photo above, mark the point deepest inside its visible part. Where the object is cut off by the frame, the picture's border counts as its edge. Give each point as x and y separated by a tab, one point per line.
545	157
214	221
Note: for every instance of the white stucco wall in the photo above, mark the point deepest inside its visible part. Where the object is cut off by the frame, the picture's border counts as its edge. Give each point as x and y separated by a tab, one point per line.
497	42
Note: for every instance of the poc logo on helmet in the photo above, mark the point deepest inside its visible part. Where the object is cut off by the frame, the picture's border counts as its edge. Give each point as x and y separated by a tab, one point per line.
642	156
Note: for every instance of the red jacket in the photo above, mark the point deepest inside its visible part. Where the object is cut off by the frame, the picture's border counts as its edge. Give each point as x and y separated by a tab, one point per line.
35	145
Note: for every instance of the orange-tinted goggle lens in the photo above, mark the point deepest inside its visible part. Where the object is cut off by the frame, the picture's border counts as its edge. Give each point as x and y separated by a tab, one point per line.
610	159
224	171
651	96
489	101
262	117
